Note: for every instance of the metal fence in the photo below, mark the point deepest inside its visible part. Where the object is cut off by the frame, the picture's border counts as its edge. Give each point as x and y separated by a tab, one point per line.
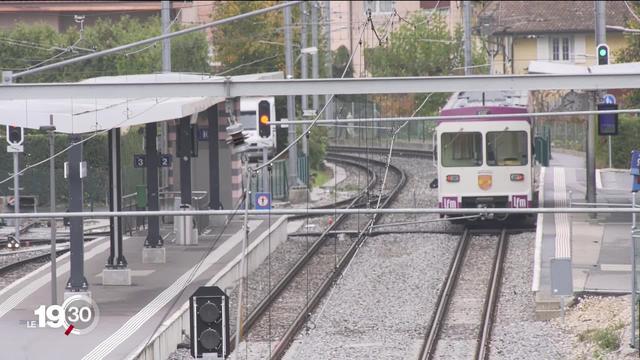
279	182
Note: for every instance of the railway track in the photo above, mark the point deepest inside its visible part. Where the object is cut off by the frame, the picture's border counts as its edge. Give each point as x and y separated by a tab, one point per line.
319	259
380	150
22	262
461	325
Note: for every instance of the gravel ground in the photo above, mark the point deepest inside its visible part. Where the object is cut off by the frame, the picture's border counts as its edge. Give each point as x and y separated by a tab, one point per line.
20	272
380	307
9	257
461	327
600	328
516	334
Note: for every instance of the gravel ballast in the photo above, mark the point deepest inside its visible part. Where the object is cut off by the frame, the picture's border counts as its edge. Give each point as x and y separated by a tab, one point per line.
380	307
516	334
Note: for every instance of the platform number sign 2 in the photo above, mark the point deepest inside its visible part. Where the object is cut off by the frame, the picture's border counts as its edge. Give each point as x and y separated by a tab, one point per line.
165	160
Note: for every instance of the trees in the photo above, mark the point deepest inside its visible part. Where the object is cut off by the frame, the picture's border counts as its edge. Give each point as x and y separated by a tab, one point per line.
25	46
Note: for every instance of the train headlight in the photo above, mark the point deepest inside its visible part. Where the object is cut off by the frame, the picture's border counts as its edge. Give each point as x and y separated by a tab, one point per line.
453	178
517	177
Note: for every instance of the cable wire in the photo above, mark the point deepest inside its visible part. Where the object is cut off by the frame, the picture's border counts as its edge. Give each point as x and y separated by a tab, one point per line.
295	142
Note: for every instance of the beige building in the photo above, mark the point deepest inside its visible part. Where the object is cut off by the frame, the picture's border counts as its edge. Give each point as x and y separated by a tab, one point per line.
348	17
556	31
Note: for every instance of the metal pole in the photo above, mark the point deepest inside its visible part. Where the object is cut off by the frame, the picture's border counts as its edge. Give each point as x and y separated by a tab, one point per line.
245	242
288	56
314	43
16	193
329	112
214	161
77	281
303	70
166	68
466	17
609	143
601	38
634	295
591	156
184	129
265	174
52	207
153	239
117	259
165	13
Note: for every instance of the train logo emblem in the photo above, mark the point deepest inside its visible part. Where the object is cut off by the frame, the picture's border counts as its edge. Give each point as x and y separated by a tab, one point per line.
484	182
519	201
450	202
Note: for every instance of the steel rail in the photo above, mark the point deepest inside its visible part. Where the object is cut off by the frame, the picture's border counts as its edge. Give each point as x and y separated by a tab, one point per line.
10	267
444	297
380	150
297	268
329	211
492	296
303	316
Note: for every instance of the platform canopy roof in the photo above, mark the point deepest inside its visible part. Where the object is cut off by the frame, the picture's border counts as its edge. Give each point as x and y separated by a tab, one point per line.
76	116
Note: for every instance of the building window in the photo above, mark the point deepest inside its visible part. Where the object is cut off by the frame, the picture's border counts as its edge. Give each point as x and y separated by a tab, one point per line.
379	6
562	48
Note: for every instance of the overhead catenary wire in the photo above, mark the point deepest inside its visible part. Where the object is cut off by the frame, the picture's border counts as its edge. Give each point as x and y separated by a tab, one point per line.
155	39
463	117
313	122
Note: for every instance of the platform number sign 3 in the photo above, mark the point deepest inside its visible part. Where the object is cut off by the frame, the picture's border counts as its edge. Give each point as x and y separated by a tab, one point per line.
139	161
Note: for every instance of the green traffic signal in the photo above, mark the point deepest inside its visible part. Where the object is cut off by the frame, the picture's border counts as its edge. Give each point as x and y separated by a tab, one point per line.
603	52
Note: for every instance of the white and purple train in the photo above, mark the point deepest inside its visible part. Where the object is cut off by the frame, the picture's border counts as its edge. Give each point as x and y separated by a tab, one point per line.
486	162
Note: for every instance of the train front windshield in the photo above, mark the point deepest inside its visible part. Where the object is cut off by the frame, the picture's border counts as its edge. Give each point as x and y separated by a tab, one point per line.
507	148
461	149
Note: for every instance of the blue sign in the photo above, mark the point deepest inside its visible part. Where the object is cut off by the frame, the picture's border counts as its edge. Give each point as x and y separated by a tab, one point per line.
635	162
607	123
263	201
139	160
203	134
166	160
635	185
609	99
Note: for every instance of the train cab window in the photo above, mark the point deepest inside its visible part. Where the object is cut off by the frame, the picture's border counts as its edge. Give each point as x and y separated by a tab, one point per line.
461	149
507	148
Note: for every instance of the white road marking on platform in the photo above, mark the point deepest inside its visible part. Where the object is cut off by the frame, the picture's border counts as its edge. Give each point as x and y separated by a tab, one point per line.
615	267
146	313
133	273
563	233
537	257
30	288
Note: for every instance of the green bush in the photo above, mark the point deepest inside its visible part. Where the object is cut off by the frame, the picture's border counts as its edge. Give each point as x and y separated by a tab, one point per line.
628	139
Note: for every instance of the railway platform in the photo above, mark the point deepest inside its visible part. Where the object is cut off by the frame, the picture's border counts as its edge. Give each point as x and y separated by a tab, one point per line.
129	315
599	247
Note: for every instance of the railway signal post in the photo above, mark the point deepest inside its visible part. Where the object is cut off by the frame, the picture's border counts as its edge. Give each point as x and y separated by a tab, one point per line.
15	138
635	244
